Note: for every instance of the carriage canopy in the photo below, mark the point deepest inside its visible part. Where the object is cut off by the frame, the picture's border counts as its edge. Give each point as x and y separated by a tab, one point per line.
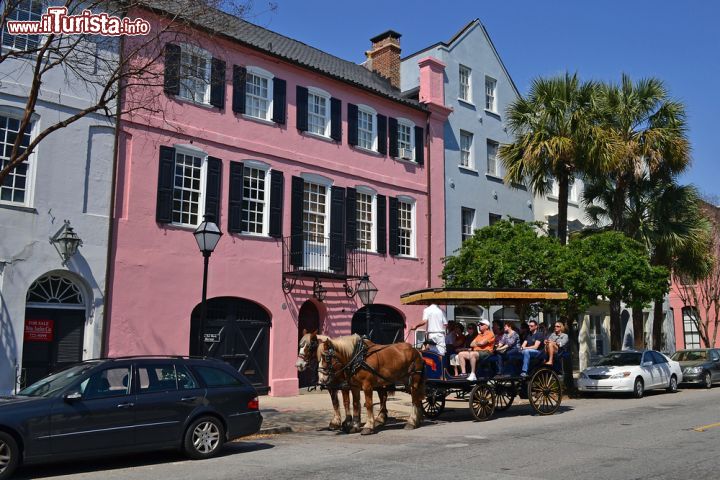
459	296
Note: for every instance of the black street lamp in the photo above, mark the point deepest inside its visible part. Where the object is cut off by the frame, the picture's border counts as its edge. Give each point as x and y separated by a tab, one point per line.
66	242
207	235
367	290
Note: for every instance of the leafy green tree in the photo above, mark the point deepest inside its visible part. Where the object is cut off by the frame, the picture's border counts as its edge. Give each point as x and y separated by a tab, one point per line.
613	266
557	138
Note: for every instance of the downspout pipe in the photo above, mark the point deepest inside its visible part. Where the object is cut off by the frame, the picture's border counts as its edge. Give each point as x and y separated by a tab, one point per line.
429	202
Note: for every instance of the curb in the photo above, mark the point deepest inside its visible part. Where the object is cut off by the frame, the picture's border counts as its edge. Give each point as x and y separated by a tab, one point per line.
275	430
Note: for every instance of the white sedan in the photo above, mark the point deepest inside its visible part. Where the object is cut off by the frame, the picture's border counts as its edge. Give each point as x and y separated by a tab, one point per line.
631	372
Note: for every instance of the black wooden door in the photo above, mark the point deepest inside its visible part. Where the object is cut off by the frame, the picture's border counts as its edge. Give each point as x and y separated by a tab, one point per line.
386	324
308	320
236	331
59	346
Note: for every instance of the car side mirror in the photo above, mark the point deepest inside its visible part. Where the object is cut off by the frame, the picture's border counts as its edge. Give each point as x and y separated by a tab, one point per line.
647	364
72	397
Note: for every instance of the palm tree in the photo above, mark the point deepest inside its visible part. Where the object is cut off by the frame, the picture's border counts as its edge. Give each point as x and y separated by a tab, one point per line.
556	137
647	131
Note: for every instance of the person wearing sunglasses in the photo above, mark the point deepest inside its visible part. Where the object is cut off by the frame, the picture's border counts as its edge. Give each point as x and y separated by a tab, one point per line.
555	342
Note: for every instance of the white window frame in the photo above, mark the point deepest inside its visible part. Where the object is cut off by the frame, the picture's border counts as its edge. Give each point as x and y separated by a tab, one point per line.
262	166
463	234
31	173
490	81
328	184
187	49
690	330
262	73
360	189
496	172
404	122
471	157
374	140
574	188
317	92
191	150
413	218
41	37
469	97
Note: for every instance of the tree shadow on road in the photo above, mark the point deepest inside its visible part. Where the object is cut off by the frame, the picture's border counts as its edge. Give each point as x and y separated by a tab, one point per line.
121	462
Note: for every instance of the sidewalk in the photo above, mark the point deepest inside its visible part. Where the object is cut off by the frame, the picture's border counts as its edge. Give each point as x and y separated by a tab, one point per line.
312	411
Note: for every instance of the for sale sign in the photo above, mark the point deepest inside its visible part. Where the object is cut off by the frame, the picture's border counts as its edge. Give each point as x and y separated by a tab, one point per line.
37	330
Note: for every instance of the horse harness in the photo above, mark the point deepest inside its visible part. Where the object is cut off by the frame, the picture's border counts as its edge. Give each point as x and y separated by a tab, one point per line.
356	362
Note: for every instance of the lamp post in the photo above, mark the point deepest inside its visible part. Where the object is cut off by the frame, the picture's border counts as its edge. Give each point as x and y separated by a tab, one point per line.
366	290
207	235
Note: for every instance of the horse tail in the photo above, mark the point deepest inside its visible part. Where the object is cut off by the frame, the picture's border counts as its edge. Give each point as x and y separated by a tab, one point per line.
417	367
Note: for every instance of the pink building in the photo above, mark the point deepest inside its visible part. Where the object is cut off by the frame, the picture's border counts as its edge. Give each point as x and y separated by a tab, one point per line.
694	307
316	169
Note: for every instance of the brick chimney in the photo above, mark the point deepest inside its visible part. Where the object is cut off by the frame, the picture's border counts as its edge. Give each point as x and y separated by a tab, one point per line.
384	56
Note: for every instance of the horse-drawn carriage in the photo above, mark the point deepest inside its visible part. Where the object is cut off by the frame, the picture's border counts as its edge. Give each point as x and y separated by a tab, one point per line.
489	393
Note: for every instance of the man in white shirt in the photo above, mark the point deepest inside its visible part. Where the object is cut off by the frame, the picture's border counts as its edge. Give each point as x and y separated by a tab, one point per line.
435	324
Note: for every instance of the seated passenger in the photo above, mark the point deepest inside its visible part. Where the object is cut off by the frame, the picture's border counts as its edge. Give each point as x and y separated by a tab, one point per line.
455	343
508	344
556	342
471	334
532	346
482	347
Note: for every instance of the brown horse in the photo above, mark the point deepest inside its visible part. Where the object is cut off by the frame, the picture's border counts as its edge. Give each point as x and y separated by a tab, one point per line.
370	366
307	350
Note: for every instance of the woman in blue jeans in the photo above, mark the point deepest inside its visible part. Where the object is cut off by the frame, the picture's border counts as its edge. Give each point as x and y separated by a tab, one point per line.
507	345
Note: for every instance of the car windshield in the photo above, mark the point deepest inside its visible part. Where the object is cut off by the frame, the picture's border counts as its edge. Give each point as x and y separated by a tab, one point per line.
52	384
689	355
619	359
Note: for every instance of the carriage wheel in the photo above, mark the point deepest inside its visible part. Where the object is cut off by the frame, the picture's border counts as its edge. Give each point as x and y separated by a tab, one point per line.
434	403
482	401
545	391
504	396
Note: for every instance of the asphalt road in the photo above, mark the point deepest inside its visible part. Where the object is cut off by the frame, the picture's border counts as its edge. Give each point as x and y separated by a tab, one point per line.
659	437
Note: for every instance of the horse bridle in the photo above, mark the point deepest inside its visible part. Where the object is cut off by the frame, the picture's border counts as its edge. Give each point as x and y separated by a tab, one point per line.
311	346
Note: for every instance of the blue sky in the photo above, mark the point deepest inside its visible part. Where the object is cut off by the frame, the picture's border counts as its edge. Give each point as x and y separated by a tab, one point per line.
678	42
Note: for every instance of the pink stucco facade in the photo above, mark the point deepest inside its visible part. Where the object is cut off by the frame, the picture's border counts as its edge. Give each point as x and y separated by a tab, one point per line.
677	305
157	269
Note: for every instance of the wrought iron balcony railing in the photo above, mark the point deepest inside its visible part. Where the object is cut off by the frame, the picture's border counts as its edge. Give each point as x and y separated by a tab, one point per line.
319	257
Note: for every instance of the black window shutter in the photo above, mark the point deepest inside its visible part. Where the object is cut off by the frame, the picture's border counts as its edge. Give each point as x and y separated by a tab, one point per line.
279	100
172	69
337	227
239	78
393	127
166	177
277	184
351	218
352	121
393	221
301	95
382	134
336	119
381	224
420	145
296	221
217	83
235	200
213	182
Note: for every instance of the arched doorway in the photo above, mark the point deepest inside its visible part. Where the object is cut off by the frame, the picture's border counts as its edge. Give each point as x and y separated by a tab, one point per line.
237	331
55	315
387	325
308	320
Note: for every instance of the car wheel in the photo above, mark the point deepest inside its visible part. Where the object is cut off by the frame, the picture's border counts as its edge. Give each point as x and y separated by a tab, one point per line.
672	386
707	380
204	438
639	388
9	455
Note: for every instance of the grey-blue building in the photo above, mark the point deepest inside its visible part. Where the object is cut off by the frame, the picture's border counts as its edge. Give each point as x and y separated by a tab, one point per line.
479	89
51	311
